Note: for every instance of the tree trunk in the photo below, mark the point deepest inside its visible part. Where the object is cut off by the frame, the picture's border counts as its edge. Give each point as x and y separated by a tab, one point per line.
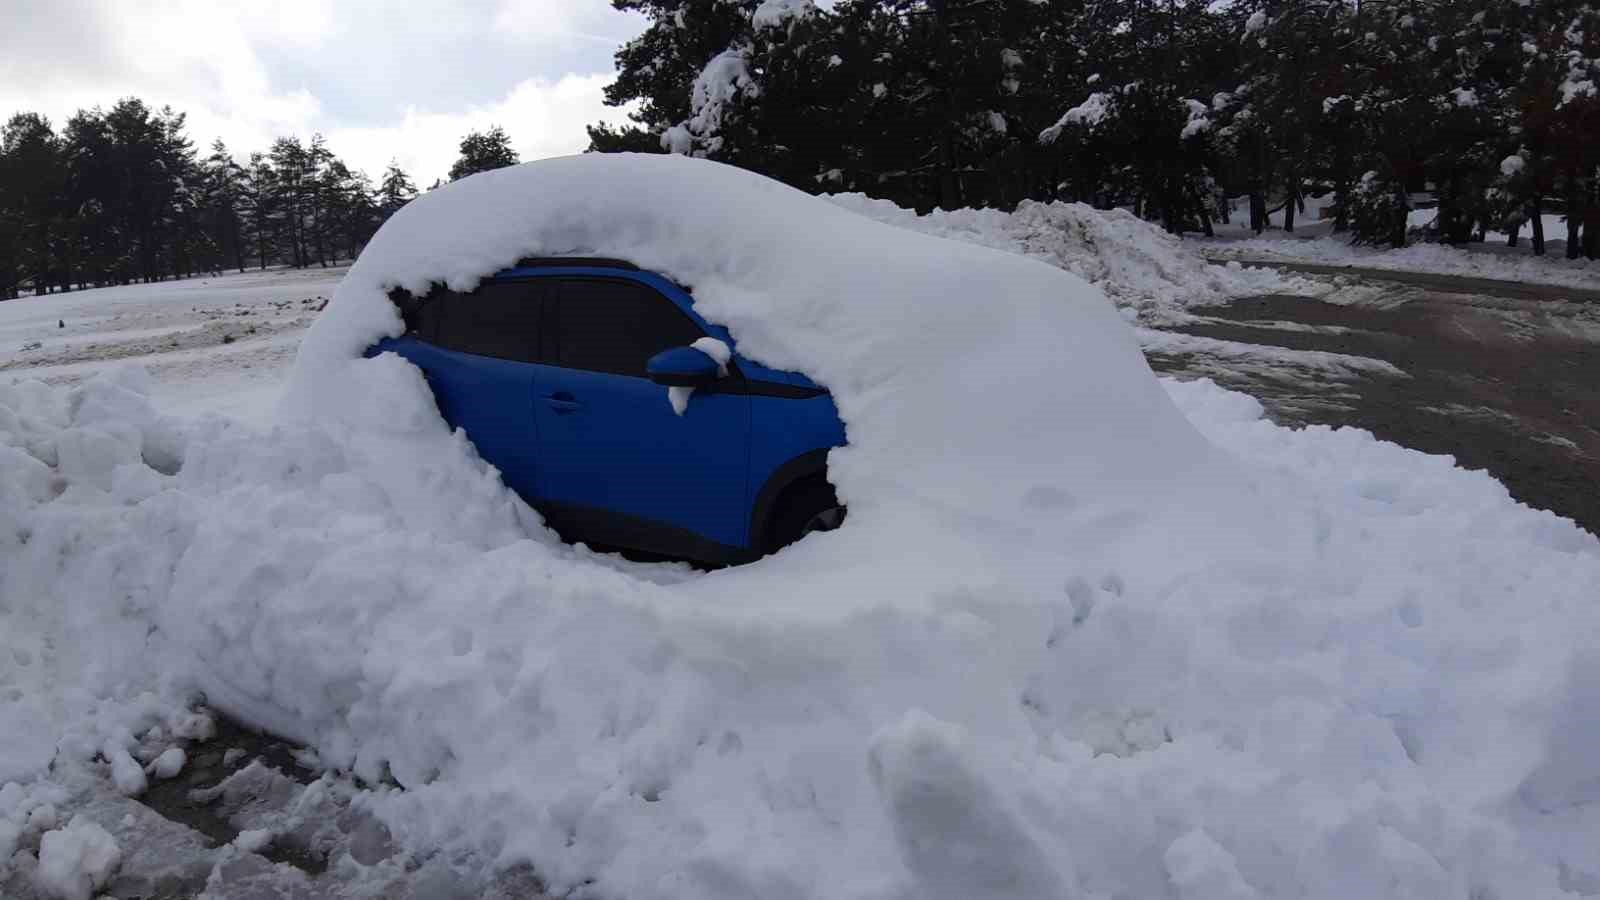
1516	233
1397	235
1591	230
1538	225
1289	204
1575	206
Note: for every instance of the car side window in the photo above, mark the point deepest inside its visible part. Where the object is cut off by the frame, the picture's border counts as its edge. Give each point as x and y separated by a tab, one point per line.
616	326
422	314
502	319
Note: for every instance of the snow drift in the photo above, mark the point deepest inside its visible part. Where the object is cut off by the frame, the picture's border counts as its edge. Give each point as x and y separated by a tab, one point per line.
1071	641
1145	271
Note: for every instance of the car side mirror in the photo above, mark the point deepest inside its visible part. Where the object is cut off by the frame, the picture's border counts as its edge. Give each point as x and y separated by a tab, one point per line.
682	367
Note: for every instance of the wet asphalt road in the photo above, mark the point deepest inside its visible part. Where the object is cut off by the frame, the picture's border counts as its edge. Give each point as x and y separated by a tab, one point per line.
1502	377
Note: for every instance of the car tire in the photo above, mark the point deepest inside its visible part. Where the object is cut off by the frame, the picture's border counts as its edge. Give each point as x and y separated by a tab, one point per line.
806	506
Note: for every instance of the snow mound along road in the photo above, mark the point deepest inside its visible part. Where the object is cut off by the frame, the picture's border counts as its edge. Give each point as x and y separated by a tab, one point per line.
1146	272
1119	638
1490	261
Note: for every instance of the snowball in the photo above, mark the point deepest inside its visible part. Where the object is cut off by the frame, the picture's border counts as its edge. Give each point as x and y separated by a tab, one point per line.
126	773
253	840
169	763
76	861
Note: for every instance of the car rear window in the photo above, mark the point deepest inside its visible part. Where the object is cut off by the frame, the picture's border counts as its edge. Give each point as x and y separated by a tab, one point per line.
501	319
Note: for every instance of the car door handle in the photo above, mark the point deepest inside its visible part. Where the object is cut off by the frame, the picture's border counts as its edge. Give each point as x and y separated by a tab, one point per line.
563	403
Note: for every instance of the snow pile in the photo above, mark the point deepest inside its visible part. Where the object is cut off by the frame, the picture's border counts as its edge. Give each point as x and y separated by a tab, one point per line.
1488	261
1144	270
78	860
1065	645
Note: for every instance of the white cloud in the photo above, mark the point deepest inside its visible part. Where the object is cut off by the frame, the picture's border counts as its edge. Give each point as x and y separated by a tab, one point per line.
544	118
380	78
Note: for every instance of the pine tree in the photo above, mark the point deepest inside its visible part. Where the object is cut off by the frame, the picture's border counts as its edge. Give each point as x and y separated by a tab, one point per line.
221	208
31	169
259	192
395	191
482	151
322	198
293	184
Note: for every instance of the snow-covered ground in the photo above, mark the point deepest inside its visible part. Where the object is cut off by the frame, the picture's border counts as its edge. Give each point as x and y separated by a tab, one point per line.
1489	260
215	344
1084	634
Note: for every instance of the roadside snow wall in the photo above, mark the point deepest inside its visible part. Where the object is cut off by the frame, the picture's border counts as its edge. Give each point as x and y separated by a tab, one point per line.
1065	646
1145	271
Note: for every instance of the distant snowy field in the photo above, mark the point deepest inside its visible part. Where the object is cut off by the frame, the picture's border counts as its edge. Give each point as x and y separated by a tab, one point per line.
1086	634
211	344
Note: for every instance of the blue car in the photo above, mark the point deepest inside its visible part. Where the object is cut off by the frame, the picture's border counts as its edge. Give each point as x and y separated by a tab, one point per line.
558	371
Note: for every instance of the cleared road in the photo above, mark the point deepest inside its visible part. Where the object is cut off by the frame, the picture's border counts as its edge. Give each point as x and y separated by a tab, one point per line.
1505	377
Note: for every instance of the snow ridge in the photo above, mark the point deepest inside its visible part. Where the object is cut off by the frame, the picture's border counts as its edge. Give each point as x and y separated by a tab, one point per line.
1145	271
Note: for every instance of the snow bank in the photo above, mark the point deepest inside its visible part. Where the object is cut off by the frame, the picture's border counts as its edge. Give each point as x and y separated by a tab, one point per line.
1145	271
1499	263
1083	634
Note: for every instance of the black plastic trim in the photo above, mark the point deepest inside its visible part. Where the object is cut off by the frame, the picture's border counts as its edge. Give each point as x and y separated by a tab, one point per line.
779	389
607	528
813	462
574	262
680	379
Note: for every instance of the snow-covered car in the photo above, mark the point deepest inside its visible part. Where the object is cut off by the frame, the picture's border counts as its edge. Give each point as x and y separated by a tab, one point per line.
555	369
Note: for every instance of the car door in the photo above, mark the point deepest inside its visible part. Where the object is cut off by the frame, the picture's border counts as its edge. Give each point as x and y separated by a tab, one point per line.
479	352
617	465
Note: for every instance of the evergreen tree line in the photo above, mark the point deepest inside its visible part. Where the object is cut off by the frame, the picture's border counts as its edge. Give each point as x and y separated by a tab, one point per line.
121	195
1163	106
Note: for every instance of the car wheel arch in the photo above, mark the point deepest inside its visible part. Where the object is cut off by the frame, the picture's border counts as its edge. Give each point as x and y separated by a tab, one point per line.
813	463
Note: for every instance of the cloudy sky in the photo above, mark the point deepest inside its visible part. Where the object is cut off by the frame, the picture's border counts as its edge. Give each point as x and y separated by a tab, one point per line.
382	79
